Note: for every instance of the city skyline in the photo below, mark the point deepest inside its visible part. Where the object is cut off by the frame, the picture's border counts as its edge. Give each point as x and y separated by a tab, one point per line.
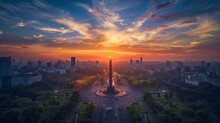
125	29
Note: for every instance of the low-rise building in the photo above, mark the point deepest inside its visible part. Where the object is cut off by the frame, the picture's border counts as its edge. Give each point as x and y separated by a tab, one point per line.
25	79
195	79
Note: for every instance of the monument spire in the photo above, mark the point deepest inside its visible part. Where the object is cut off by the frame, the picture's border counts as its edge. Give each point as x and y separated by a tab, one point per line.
110	88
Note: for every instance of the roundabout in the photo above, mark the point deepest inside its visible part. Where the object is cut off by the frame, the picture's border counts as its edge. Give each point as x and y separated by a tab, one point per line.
104	93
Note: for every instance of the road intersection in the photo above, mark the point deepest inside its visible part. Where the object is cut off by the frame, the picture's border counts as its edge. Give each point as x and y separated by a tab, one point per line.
118	112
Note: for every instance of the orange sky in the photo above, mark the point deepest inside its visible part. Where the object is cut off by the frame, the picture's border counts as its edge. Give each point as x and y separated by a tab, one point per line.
48	53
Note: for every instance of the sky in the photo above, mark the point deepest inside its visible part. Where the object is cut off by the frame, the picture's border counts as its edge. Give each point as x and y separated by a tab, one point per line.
125	29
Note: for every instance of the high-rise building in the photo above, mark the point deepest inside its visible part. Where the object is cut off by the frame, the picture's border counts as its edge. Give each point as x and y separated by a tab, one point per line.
131	61
73	64
97	62
141	61
39	63
73	61
49	64
5	66
29	64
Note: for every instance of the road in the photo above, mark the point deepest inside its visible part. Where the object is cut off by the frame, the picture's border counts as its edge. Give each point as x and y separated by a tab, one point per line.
118	114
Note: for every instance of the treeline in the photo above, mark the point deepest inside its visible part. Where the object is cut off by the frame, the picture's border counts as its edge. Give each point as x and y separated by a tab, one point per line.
25	110
85	111
135	112
185	111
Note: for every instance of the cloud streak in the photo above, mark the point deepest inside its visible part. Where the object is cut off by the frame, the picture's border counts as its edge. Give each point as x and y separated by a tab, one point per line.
55	30
81	28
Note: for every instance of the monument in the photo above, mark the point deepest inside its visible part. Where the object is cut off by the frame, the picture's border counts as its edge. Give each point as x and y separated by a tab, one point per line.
110	90
110	87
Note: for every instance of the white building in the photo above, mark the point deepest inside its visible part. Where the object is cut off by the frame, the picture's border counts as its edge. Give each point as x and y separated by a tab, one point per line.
195	79
25	79
55	70
62	71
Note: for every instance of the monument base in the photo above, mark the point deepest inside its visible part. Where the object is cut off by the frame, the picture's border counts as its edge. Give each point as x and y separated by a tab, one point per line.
111	90
104	92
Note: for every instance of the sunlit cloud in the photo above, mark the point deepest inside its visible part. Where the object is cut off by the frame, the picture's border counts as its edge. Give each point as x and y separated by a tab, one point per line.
55	30
90	10
105	17
81	28
193	43
205	29
20	24
27	37
38	36
138	23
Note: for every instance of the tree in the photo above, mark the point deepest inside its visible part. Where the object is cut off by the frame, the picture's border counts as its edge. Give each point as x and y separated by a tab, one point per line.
10	116
30	115
147	95
4	97
187	113
166	96
158	94
175	119
203	115
23	102
190	120
75	95
171	94
217	106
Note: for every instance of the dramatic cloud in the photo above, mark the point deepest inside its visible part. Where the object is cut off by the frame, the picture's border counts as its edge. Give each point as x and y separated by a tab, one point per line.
205	29
81	28
105	17
176	28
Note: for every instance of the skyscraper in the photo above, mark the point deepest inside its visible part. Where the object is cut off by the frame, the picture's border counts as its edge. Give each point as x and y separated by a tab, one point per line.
141	60
131	61
49	64
73	61
5	66
39	63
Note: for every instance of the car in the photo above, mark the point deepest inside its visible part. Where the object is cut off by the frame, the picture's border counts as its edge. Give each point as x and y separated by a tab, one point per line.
108	109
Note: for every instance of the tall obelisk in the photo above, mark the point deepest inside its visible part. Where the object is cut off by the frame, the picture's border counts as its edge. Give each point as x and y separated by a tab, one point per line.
110	88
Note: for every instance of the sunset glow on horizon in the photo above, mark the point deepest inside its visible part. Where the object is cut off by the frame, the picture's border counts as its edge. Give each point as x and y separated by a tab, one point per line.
124	29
